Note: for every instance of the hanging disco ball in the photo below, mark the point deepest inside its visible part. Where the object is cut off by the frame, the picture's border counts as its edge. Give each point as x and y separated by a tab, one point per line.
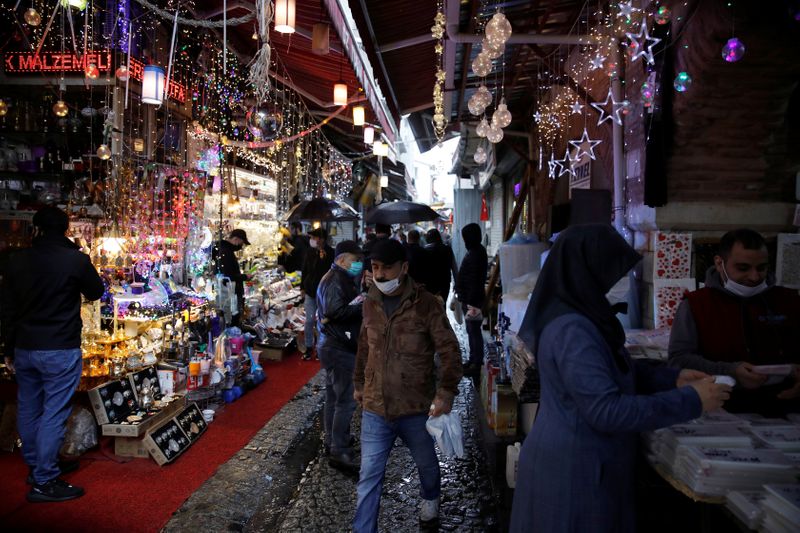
663	15
264	122
33	17
682	82
733	50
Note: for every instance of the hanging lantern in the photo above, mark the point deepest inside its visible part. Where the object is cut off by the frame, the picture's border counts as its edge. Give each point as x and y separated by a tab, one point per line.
484	209
284	16
153	85
492	48
502	116
483	128
3	108
80	5
104	152
340	93
91	71
320	39
498	28
369	135
122	73
484	96
380	149
384	181
33	17
480	155
482	65
495	134
60	108
733	50
359	115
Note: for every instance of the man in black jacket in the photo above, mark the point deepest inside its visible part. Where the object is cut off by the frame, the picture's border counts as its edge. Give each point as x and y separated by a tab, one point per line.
470	290
224	255
317	262
442	265
419	260
41	303
340	323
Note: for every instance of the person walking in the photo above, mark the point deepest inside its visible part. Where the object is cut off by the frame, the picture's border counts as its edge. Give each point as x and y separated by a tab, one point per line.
41	329
317	262
470	291
576	467
419	260
339	311
224	256
442	265
395	382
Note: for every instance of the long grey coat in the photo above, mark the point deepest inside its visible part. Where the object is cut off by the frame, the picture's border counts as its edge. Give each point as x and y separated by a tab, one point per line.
577	465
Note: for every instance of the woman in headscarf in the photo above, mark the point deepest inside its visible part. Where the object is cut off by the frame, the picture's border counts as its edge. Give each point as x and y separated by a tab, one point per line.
576	468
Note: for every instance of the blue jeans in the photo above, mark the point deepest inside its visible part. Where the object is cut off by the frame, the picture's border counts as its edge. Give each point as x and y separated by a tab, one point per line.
46	381
377	438
311	319
339	401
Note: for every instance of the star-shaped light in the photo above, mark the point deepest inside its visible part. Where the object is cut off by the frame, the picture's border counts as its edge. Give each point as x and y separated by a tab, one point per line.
585	145
639	43
597	62
616	109
537	117
554	166
577	107
566	164
626	9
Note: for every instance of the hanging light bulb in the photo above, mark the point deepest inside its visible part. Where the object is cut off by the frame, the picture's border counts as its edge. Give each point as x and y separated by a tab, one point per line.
484	96
104	152
502	116
475	105
480	155
495	134
483	128
122	73
498	27
33	17
284	16
340	93
369	135
153	85
91	71
359	115
492	48
3	108
60	108
482	65
80	5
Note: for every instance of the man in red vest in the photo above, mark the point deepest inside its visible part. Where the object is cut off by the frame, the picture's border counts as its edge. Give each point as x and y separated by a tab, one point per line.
738	322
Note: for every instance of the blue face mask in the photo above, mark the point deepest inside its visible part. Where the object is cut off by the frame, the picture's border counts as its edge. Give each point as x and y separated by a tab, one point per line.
355	268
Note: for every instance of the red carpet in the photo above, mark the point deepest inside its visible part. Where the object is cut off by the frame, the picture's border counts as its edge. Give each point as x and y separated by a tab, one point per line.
140	495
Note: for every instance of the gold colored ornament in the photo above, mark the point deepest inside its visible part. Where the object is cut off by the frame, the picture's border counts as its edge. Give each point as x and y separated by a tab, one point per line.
104	152
438	31
33	17
3	108
60	108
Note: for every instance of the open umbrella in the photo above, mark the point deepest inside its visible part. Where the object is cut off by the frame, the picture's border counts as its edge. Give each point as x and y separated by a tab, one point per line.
321	209
401	212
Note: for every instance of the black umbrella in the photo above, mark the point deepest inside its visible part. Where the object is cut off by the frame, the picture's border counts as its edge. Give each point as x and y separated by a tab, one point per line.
400	212
321	209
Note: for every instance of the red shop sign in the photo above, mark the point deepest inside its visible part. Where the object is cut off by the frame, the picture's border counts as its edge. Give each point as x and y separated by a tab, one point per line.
30	62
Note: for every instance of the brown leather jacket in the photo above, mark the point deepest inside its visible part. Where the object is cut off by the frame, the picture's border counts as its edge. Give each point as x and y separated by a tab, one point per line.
394	364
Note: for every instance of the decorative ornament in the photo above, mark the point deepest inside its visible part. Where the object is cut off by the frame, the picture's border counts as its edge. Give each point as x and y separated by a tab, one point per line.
359	115
80	5
3	108
484	209
483	128
615	109
625	105
492	49
585	146
626	9
284	16
639	42
91	71
663	15
682	82
60	108
437	31
495	134
554	167
648	93
501	116
482	65
480	155
576	108
258	77
498	27
32	17
596	62
153	85
122	73
733	50
537	117
104	152
264	122
566	164
369	135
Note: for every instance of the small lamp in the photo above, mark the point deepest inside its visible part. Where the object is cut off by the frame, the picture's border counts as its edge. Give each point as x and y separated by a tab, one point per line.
284	16
359	115
340	93
153	85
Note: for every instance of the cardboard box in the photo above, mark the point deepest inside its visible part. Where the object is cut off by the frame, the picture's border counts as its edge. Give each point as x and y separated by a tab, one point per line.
137	430
113	401
131	447
504	406
172	381
169	440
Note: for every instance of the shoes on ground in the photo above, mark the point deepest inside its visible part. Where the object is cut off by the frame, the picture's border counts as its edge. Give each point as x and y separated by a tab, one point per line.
429	510
64	466
55	490
344	461
310	353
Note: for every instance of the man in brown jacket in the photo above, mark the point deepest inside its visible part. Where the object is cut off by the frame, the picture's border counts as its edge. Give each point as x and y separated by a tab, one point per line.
394	379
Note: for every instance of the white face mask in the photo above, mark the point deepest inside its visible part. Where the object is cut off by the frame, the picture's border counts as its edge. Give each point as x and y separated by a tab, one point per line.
313	243
742	290
619	292
388	287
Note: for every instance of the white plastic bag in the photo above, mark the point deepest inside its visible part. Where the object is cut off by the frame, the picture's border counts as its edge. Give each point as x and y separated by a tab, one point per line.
455	307
446	429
